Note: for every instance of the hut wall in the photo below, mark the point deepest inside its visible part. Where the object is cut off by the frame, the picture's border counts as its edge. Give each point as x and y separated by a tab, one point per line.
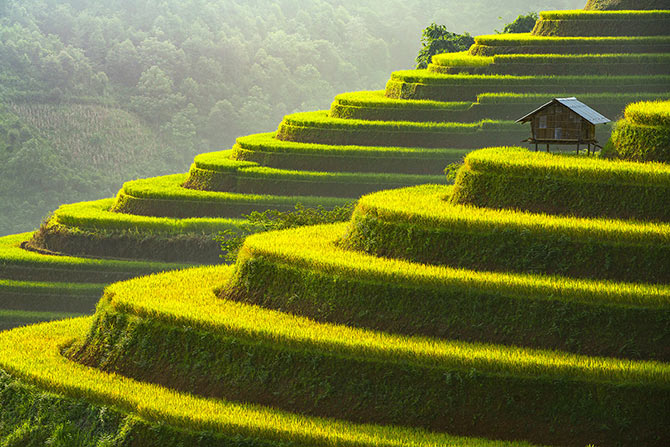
558	122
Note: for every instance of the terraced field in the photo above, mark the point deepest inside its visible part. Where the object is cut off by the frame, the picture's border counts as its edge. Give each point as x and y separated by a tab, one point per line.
527	304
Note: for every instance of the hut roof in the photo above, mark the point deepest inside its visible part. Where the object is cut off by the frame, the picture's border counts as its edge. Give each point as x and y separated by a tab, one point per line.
576	106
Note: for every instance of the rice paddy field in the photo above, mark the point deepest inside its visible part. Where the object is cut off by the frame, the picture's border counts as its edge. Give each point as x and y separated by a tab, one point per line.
527	304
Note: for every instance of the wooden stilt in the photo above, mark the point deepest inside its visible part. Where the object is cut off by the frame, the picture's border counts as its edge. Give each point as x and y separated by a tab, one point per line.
578	148
535	147
547	147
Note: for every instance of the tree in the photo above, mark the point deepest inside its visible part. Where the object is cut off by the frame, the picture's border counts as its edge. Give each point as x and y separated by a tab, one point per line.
436	39
522	24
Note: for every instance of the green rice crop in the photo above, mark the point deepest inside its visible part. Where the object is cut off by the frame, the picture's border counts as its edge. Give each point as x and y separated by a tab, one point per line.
56	288
580	14
315	277
649	113
49	296
377	99
17	263
317	127
321	120
271	152
426	77
169	188
166	197
461	59
520	179
221	161
266	142
491	45
532	98
644	133
14	318
33	354
328	353
150	297
527	38
595	59
377	107
424	84
422	224
267	180
317	248
554	64
600	23
96	215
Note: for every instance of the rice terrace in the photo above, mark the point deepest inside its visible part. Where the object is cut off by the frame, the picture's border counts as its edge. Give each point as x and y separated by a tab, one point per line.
397	270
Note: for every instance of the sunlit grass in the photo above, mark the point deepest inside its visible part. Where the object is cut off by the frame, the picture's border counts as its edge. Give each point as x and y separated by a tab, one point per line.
580	14
649	113
321	119
33	354
12	255
266	142
169	188
522	162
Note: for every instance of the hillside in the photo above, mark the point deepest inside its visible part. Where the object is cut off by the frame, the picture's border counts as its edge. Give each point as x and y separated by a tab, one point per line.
55	153
527	304
195	74
367	141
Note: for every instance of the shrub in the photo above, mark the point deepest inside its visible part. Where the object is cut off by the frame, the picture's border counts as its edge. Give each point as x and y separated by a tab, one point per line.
435	39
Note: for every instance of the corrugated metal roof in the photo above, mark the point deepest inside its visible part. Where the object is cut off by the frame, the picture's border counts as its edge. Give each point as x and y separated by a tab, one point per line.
576	106
583	110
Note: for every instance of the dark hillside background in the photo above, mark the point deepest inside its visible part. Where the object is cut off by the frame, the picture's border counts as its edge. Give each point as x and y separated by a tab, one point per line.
93	93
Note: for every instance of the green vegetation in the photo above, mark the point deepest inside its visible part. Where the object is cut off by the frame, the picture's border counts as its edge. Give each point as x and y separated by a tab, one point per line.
644	133
307	273
423	84
528	302
552	64
421	224
49	296
318	127
435	39
579	186
25	265
84	84
493	44
609	5
329	353
217	172
277	220
14	318
164	196
524	23
603	23
268	151
33	354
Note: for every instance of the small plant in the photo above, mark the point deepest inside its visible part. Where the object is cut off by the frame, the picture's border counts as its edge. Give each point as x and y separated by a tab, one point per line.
451	170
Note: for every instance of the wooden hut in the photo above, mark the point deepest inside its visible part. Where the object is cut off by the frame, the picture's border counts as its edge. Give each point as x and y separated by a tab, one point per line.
564	121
